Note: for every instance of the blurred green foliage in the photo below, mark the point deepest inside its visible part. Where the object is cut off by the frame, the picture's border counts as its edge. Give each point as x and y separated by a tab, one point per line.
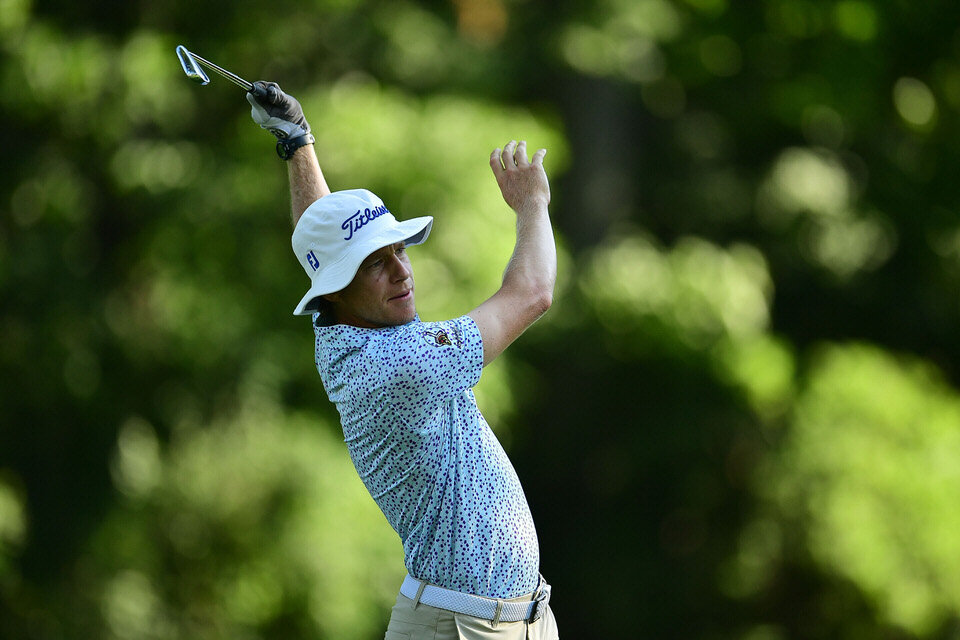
254	523
870	468
739	420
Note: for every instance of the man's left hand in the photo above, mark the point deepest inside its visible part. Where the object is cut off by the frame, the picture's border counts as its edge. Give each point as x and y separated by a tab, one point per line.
277	112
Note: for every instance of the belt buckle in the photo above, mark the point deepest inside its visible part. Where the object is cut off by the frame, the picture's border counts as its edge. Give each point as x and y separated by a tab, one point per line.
541	601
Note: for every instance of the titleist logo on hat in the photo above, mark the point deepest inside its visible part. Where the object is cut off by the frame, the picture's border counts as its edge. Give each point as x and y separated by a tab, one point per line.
355	222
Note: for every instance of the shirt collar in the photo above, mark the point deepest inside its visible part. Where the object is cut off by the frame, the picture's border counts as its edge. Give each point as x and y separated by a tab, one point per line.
345	335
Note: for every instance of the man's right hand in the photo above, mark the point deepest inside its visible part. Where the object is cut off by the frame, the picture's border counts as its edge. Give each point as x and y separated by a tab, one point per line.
527	289
277	112
523	183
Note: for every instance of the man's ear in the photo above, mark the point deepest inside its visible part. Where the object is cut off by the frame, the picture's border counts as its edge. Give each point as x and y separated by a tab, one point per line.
331	297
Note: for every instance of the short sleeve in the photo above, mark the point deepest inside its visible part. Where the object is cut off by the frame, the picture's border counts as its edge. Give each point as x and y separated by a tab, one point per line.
435	360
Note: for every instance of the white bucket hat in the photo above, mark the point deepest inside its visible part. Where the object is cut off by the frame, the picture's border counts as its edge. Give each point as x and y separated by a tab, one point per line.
337	232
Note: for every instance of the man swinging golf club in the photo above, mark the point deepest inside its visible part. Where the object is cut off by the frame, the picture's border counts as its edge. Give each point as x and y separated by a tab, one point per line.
403	388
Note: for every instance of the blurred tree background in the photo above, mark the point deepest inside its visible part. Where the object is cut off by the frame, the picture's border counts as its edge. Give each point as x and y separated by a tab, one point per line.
740	419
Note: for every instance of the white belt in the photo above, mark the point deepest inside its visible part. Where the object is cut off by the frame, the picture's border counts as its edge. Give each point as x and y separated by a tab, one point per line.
477	606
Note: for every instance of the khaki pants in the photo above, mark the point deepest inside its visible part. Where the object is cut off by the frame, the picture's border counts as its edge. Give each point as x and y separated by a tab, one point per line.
424	622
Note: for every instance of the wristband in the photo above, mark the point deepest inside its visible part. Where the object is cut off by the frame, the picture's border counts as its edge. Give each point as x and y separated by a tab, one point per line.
286	146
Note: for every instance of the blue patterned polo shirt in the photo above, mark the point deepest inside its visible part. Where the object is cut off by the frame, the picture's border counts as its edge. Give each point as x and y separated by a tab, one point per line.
426	454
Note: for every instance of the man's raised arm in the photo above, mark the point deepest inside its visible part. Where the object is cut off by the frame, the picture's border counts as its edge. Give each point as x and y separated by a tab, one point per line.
527	289
306	181
281	115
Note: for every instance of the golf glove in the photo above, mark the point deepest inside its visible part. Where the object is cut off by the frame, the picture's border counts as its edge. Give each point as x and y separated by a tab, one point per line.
281	115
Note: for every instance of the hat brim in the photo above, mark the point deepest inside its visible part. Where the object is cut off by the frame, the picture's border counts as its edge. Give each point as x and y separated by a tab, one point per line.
337	275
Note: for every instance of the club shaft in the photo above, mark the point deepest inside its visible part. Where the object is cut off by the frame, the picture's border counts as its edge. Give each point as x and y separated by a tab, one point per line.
232	77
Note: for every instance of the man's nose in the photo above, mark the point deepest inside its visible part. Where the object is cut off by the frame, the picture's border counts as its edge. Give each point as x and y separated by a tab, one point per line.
399	268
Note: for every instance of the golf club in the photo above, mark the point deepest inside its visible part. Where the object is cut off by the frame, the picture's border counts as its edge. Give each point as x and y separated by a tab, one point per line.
189	60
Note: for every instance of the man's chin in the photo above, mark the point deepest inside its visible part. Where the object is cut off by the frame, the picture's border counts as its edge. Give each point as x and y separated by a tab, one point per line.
397	319
405	311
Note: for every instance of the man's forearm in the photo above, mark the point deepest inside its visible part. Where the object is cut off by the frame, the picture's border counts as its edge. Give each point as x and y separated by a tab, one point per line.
307	183
532	270
527	289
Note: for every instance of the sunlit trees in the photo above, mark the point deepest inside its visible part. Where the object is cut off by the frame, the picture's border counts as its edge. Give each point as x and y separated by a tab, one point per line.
738	420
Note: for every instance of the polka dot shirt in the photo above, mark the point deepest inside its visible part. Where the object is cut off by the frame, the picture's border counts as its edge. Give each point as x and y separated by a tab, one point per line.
426	454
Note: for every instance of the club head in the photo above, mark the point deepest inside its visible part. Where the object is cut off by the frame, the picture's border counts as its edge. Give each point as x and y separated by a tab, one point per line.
190	66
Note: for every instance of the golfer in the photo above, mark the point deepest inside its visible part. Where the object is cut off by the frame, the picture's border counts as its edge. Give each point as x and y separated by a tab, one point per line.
403	386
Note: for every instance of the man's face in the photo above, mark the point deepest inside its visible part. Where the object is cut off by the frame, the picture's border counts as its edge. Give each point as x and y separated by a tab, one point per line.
381	294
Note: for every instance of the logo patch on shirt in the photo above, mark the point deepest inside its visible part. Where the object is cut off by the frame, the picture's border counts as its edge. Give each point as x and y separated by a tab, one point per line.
444	338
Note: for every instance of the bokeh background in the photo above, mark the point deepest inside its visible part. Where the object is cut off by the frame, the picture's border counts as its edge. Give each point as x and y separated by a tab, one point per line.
740	419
